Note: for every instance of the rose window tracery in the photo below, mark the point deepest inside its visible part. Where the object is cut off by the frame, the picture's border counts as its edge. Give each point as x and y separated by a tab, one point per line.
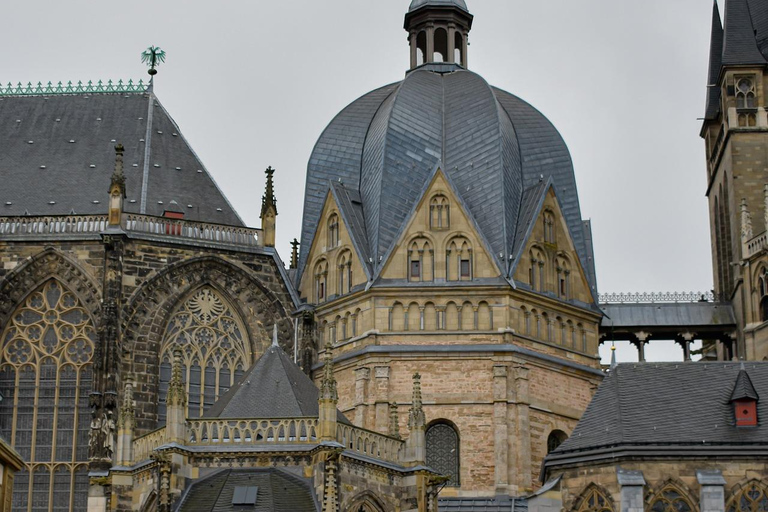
214	346
45	380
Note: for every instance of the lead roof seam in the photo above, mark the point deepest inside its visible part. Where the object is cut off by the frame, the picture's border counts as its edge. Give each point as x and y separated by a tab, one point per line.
147	152
353	237
522	177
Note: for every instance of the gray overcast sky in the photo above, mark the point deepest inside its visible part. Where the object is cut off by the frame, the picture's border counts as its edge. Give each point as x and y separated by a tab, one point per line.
254	83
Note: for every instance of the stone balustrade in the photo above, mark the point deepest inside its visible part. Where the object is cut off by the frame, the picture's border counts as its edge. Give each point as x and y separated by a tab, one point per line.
74	225
144	446
214	432
372	444
757	244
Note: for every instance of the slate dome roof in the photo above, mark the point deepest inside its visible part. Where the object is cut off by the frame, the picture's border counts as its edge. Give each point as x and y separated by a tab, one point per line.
416	4
493	146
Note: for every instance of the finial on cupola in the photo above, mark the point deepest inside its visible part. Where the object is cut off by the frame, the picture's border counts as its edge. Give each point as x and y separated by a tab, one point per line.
153	57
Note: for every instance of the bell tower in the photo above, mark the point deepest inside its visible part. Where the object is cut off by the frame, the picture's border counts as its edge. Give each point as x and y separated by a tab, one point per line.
438	31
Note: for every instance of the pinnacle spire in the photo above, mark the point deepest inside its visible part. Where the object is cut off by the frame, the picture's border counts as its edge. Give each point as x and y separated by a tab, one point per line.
295	253
416	417
613	357
268	199
274	336
746	222
177	393
328	384
118	176
715	63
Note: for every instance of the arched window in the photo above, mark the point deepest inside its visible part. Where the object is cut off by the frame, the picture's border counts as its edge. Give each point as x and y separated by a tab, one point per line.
443	451
563	276
212	338
458	260
763	294
555	439
421	48
441	45
745	93
593	499
537	269
333	231
420	261
671	498
750	497
439	212
47	349
321	281
344	273
549	227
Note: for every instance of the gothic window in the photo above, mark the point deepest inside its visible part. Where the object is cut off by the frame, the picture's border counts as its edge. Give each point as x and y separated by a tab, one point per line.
214	345
563	277
745	93
458	260
763	286
47	349
321	281
555	439
752	497
537	269
421	260
593	499
443	451
439	213
421	48
549	227
671	499
344	269
333	231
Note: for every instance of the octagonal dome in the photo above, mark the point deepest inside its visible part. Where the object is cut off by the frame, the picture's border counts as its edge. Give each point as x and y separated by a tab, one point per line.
492	145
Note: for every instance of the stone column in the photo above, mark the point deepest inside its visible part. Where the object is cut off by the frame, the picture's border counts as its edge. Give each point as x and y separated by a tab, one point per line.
430	44
642	340
465	45
381	393
632	484
522	429
362	378
500	429
414	50
712	495
451	45
687	338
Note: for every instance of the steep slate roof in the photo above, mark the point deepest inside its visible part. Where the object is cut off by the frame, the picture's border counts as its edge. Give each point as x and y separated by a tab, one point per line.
491	144
740	43
669	407
74	137
274	387
278	491
715	63
351	210
673	314
759	11
495	504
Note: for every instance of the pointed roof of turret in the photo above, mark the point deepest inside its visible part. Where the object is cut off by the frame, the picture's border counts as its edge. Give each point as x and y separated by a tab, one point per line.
715	63
744	389
740	43
274	387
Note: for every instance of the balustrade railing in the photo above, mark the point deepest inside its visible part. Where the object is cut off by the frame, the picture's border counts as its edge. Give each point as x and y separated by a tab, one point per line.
144	446
757	244
52	225
650	298
216	432
161	226
369	443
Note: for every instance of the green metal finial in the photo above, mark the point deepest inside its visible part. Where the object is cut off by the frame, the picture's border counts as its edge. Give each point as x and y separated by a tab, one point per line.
153	56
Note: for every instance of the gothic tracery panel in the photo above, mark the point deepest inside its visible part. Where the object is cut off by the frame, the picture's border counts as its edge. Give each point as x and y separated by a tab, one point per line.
45	380
443	451
671	499
751	497
593	499
215	350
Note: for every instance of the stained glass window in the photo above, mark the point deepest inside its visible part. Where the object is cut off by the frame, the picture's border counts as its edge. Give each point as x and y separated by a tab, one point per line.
443	451
593	500
45	380
670	499
752	497
213	341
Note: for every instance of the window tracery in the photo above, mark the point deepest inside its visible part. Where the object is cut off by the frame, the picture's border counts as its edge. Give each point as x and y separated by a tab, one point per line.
215	350
333	231
442	441
671	499
45	379
439	212
745	93
459	265
421	260
321	281
752	497
593	499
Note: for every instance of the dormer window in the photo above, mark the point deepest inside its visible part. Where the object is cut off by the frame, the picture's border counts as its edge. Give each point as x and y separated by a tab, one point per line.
744	400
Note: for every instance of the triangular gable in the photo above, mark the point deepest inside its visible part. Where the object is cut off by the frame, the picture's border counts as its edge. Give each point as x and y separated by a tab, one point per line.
461	222
536	200
341	207
351	210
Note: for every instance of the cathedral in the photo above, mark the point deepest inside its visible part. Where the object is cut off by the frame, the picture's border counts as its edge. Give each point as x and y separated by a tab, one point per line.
432	346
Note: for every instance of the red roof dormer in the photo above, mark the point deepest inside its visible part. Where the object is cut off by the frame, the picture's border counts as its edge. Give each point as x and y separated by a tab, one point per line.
744	400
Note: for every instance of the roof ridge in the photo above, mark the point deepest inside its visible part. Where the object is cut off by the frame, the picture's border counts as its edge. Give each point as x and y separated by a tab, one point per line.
100	87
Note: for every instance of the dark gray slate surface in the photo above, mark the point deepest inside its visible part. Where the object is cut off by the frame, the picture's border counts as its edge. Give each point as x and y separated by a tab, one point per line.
495	504
740	44
278	491
673	314
93	122
672	404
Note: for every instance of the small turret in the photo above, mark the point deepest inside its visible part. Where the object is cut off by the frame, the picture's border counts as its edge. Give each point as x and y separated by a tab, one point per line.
176	402
295	253
117	189
269	210
125	429
438	31
328	399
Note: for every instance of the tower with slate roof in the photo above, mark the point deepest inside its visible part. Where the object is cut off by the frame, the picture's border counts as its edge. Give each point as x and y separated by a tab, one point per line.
442	235
736	140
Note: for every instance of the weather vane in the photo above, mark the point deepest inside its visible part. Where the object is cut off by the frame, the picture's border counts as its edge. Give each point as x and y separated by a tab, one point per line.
153	56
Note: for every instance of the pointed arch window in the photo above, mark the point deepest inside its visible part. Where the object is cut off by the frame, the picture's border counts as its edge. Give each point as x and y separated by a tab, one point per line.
420	260
537	269
459	264
763	294
670	498
344	273
443	451
549	227
439	212
593	499
214	344
563	277
745	93
45	379
321	281
751	497
333	231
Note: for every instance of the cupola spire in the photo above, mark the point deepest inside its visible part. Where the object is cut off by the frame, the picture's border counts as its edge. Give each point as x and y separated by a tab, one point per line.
438	31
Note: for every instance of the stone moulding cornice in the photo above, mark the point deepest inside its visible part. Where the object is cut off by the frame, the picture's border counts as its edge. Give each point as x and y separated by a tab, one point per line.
89	87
